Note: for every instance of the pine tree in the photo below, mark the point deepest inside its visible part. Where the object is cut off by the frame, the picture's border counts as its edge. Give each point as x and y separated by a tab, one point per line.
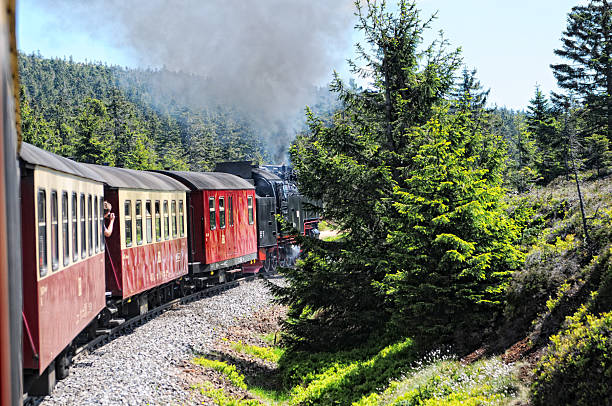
523	155
95	141
469	92
587	44
551	146
597	153
417	190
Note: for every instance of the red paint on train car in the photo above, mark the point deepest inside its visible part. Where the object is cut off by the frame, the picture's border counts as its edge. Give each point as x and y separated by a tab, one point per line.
76	293
132	270
147	266
234	240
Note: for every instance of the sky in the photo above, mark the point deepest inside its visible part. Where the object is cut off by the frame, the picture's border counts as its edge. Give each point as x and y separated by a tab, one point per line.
509	43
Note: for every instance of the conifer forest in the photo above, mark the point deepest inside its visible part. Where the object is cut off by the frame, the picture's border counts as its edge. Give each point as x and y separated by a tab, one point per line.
466	255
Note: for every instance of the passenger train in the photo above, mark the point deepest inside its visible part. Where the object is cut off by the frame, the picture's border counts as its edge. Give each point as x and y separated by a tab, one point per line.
173	233
69	272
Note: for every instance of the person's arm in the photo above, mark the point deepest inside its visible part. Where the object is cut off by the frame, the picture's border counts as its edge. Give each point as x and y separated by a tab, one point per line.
109	230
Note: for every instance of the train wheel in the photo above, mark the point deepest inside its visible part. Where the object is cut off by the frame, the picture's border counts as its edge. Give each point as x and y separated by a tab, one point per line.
62	365
273	261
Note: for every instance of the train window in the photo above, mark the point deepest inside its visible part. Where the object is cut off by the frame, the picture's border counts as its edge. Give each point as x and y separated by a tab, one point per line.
54	232
221	212
149	221
212	213
166	221
89	225
139	222
181	219
42	232
95	221
101	221
230	209
65	236
173	208
158	231
250	206
75	223
127	215
83	229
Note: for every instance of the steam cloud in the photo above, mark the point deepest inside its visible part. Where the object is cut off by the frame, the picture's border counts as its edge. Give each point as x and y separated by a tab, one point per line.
261	56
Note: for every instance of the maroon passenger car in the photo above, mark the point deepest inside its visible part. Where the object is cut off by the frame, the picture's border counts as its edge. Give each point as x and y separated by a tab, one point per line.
63	259
148	246
222	224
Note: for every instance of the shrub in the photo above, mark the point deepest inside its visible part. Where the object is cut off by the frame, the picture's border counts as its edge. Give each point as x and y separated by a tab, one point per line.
448	382
577	369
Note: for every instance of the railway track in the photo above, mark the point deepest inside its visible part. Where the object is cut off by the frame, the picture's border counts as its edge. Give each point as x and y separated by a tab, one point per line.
129	325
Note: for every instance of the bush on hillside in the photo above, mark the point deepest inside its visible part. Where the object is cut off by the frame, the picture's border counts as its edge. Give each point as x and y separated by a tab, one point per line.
577	369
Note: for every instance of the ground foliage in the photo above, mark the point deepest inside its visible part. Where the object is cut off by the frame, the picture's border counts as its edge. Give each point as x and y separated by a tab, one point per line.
413	176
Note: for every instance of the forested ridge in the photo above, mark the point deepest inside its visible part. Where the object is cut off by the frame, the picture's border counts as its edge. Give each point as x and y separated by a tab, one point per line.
139	119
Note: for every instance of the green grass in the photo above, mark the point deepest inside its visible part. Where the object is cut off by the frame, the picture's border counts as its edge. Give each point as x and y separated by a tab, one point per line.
221	398
270	338
346	381
271	354
270	396
229	371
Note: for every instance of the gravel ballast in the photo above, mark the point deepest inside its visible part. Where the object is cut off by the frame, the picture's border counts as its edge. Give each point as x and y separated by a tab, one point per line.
145	366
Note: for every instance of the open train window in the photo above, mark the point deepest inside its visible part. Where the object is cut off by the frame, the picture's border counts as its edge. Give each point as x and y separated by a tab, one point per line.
127	215
166	221
158	231
83	229
173	208
149	221
95	221
221	212
42	232
101	221
182	219
65	236
139	222
230	208
75	227
89	224
250	206
54	232
212	214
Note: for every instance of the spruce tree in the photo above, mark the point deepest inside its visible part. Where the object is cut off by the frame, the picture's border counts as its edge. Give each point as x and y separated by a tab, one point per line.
95	141
416	190
551	145
587	44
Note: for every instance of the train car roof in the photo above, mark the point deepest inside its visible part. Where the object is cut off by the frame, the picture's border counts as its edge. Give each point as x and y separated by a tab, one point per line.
133	179
37	156
267	174
210	180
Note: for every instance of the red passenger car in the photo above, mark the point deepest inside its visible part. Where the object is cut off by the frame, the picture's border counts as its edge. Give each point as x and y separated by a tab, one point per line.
63	259
148	246
222	223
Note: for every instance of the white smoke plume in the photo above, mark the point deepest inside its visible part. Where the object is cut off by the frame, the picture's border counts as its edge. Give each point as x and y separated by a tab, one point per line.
261	56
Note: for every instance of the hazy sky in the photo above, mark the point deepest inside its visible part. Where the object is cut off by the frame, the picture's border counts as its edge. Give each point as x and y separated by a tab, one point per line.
510	43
